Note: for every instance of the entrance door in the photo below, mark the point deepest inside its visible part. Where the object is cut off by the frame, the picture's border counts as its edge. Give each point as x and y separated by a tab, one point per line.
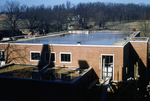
107	67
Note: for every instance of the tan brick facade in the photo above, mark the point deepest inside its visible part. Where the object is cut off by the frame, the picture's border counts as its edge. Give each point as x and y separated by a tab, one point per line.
141	50
88	56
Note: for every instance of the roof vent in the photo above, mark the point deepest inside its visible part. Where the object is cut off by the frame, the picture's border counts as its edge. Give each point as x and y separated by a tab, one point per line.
79	43
125	38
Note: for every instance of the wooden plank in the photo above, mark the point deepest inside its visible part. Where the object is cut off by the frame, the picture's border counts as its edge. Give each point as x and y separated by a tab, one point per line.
118	73
134	71
103	68
137	69
126	70
49	49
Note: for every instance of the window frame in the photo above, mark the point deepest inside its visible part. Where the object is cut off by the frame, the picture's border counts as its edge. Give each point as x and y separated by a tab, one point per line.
66	61
4	55
35	52
101	68
54	56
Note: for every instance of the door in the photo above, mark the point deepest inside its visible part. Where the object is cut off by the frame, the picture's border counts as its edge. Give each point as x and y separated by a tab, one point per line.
107	67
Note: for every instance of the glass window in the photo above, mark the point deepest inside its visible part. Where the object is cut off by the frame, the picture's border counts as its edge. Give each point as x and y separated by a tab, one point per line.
65	57
35	56
107	66
2	55
52	57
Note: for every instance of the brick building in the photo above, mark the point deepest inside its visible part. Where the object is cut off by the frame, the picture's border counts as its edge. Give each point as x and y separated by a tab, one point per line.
112	55
114	60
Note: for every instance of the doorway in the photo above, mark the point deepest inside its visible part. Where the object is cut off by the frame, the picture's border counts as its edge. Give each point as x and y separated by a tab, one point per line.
107	66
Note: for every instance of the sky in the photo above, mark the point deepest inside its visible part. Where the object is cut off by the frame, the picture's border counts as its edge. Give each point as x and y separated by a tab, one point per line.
57	2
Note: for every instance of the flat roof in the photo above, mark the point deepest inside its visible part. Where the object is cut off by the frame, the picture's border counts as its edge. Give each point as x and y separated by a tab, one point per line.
32	72
85	39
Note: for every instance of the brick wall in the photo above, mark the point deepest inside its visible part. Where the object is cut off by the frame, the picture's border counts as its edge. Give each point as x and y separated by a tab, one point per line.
139	54
89	55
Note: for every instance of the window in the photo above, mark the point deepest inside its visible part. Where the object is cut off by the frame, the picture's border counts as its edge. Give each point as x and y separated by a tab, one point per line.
35	56
65	57
53	57
2	55
107	66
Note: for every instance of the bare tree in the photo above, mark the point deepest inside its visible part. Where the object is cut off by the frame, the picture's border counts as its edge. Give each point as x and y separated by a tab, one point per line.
12	11
60	16
52	19
101	14
46	19
99	18
82	10
145	27
32	18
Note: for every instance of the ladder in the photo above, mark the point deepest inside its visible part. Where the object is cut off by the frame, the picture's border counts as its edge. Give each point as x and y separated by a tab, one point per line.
49	51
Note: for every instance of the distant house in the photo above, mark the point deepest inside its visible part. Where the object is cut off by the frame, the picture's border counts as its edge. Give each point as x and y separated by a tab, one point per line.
73	22
28	32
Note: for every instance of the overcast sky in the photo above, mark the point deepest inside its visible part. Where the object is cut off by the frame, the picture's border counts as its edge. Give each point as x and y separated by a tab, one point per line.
57	2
